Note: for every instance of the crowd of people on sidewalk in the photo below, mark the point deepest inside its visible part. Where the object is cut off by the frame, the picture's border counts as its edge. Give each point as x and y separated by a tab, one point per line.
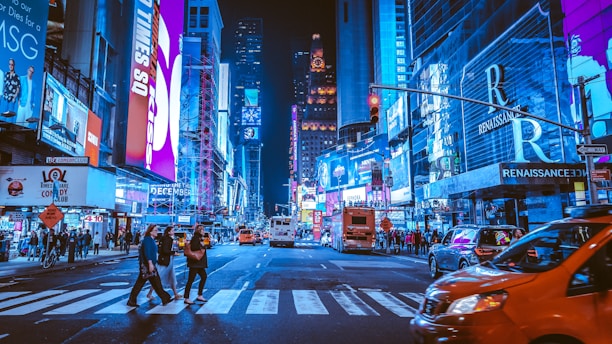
411	241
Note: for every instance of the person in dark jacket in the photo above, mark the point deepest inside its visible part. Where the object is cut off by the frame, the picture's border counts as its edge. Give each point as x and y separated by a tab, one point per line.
197	267
165	263
148	256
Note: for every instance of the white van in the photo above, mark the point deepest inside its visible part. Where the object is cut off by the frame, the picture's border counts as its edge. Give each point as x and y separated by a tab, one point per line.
282	231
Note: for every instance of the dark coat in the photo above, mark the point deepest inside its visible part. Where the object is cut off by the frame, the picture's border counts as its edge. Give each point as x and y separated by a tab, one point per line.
165	249
196	245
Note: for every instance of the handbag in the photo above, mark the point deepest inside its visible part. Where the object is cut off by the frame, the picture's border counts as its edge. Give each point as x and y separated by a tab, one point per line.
195	255
145	273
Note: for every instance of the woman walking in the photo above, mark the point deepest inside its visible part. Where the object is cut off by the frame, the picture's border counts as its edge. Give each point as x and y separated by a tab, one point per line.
33	245
148	257
165	263
197	267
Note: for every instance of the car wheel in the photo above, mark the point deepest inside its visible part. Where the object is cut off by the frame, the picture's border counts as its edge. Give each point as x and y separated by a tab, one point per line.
433	268
463	264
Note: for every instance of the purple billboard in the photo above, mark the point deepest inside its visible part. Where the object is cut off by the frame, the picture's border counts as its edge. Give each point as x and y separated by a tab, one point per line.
154	109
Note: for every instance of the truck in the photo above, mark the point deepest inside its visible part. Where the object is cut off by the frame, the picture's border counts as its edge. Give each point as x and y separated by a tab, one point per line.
282	231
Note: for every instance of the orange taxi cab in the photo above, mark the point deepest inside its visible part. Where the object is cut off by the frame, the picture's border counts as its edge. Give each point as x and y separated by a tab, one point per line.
554	285
246	236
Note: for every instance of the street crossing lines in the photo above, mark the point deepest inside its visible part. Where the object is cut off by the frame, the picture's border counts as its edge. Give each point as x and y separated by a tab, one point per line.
363	302
46	303
308	302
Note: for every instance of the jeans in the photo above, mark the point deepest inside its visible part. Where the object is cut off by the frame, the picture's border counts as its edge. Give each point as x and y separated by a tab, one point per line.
32	251
192	274
85	250
155	283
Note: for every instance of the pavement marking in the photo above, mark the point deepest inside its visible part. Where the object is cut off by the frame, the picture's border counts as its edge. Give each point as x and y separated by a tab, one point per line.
28	298
323	266
10	294
114	284
221	302
416	297
368	264
308	302
264	301
352	304
90	302
33	307
392	303
257	266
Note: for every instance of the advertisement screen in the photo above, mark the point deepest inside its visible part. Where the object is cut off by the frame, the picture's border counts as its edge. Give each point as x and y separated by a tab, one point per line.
155	85
64	119
23	27
251	115
251	133
397	117
251	97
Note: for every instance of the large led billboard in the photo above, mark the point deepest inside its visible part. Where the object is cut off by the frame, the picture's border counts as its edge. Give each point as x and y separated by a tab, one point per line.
251	115
23	26
67	124
155	86
398	118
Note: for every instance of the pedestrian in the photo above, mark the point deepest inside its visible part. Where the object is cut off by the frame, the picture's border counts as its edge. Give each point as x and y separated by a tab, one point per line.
397	239
408	240
416	241
403	239
427	239
32	245
97	241
196	267
63	242
165	263
86	243
80	243
516	235
127	241
110	241
147	256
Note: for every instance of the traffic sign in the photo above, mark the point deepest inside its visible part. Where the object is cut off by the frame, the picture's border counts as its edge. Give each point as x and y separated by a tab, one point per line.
386	224
600	175
51	216
592	149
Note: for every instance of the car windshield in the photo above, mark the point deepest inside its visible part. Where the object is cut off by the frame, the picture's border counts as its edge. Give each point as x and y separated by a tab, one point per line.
545	248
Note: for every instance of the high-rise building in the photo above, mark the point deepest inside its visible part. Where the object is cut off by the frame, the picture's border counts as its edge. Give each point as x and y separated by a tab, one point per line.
317	127
246	110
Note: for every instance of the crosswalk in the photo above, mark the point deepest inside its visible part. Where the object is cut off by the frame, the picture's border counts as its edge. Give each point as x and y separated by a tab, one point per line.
370	302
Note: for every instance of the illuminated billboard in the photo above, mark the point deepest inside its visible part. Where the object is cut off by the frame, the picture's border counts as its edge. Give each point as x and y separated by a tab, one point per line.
250	133
67	124
155	85
397	117
251	115
251	97
22	38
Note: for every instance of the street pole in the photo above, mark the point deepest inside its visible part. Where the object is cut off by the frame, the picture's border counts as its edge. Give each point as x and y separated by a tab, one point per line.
586	133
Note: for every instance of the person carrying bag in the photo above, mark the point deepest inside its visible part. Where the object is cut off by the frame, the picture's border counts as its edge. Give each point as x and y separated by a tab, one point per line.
197	263
147	260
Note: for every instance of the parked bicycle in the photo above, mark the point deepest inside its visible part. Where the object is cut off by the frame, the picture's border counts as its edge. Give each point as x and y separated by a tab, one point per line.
50	259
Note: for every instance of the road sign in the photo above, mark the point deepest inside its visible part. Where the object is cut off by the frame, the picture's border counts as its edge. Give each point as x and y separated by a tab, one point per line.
600	175
386	224
592	149
51	216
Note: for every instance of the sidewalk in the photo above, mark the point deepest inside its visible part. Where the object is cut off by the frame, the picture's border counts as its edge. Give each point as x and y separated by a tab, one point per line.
403	253
20	266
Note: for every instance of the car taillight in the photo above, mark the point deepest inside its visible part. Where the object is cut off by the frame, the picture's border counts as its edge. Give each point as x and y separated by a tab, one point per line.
483	251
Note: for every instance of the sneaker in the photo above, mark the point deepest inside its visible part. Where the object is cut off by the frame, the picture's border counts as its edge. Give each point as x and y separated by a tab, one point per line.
201	299
132	303
188	302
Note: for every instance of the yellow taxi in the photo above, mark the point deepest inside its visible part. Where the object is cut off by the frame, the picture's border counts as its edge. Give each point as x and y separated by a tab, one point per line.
208	240
181	237
246	236
554	285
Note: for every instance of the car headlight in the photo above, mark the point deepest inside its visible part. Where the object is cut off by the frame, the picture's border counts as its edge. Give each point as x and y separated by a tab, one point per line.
478	303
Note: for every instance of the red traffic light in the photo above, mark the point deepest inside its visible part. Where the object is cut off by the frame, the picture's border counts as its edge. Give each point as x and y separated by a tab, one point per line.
374	103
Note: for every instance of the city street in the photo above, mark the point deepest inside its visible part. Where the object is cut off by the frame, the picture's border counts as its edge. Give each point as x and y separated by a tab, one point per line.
306	294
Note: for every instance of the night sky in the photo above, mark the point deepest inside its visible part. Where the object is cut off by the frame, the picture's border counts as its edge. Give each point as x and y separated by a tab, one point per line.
283	20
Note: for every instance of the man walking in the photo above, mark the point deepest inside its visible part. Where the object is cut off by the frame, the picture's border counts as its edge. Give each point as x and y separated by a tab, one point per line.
97	241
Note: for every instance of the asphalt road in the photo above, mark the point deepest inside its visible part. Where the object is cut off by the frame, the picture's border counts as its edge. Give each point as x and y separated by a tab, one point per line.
305	294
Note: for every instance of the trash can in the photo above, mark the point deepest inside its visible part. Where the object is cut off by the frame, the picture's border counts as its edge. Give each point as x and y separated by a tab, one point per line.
5	247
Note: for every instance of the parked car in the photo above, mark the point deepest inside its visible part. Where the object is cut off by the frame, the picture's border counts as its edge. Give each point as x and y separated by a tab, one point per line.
258	237
554	285
467	245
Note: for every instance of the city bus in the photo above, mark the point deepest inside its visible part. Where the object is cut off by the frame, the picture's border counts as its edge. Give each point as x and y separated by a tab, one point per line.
282	231
354	229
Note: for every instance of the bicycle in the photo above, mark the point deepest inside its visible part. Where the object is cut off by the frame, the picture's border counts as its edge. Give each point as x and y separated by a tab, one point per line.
50	259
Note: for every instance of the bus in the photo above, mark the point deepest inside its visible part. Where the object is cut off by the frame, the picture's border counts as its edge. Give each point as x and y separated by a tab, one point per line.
354	229
282	231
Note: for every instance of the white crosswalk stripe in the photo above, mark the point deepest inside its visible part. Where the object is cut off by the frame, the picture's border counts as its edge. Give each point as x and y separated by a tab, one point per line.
261	301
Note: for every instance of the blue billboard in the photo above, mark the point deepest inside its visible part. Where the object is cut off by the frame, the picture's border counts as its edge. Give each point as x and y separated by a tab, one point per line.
23	29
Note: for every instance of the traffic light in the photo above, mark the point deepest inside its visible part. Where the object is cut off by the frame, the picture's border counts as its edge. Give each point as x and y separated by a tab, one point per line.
374	103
